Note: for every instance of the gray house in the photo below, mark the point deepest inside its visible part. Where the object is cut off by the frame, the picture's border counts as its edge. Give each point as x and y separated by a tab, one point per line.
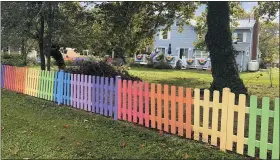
245	42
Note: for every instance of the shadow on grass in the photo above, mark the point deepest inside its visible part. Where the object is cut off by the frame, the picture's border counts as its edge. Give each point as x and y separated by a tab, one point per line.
145	69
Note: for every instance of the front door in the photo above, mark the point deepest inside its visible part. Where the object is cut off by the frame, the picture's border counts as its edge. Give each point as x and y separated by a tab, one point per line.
183	53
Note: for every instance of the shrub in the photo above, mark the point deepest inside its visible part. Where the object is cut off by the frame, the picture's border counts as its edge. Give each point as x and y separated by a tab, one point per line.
69	62
31	61
12	60
101	69
162	65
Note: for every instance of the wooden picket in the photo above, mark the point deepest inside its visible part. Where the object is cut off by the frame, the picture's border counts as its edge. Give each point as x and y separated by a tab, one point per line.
32	82
152	107
164	108
2	75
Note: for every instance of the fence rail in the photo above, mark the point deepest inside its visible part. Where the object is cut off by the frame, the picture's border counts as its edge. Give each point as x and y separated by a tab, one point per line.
219	122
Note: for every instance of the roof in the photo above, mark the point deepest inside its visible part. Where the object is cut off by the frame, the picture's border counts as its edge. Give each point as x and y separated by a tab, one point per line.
246	23
241	46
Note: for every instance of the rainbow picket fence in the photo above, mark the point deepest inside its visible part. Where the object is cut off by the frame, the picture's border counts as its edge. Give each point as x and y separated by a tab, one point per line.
219	122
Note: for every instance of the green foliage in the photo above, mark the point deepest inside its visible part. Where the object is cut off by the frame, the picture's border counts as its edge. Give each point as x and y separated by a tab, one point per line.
269	42
130	26
236	12
31	61
100	69
13	59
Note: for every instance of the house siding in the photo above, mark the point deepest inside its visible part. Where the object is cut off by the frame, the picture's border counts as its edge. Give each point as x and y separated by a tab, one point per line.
177	40
247	31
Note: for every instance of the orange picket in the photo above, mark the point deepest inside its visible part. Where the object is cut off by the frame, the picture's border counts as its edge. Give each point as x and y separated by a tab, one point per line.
173	110
180	112
166	109
189	113
153	115
159	107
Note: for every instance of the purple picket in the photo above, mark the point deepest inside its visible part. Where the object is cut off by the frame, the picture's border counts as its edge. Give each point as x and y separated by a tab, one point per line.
93	95
101	97
82	94
111	105
79	91
106	96
75	90
89	85
116	98
85	92
97	94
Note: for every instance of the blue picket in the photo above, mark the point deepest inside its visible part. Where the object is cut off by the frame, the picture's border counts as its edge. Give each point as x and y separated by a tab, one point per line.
111	89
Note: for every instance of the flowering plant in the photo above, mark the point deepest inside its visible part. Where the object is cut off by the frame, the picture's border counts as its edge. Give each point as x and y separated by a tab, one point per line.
202	62
139	57
190	61
169	59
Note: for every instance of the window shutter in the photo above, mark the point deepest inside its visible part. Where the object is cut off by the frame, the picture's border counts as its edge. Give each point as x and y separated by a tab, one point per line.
244	36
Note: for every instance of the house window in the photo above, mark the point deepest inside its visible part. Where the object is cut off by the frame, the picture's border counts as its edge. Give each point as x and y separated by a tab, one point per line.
239	37
247	53
161	50
177	23
183	52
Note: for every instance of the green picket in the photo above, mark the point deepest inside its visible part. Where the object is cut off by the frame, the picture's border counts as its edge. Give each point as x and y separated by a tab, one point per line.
252	126
45	85
48	85
264	127
275	148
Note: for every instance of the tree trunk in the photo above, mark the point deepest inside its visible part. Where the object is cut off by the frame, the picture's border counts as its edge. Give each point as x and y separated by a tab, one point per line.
49	35
23	51
41	39
219	42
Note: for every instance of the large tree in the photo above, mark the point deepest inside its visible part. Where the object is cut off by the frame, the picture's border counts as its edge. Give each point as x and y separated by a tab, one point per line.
219	43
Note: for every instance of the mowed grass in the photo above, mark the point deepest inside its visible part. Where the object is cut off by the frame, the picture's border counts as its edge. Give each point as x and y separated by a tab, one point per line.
35	128
258	83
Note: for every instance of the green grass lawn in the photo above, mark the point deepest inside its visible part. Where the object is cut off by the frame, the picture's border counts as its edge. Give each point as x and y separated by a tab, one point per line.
35	128
201	79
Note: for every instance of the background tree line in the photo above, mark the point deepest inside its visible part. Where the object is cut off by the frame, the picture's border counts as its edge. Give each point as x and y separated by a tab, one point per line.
128	27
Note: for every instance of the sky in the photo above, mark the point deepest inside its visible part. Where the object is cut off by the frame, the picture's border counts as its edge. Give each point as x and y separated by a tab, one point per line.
248	6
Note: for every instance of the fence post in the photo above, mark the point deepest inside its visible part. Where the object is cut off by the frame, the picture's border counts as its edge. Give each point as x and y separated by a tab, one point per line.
225	103
116	97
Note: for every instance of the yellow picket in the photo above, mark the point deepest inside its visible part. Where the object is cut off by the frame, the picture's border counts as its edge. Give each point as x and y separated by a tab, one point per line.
196	113
230	120
215	111
205	115
241	123
225	98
